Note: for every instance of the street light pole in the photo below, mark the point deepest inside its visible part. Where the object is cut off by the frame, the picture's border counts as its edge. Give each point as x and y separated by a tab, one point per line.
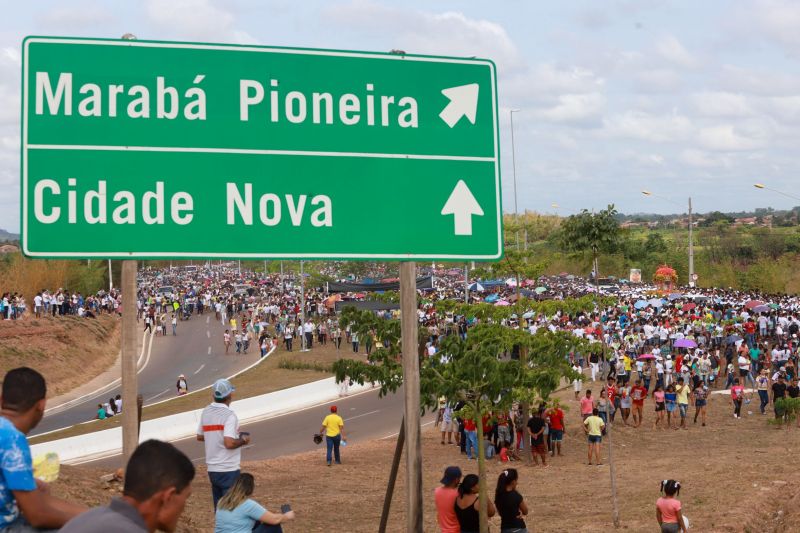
764	187
692	282
691	229
514	170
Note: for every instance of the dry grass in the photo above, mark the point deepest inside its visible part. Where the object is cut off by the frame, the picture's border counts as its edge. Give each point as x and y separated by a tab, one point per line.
68	351
735	475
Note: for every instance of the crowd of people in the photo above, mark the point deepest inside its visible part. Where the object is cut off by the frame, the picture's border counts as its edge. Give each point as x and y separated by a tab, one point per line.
654	358
61	302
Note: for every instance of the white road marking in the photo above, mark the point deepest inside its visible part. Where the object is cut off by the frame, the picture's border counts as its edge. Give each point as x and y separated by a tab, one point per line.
199	369
157	395
363	414
209	350
208	319
208	334
146	347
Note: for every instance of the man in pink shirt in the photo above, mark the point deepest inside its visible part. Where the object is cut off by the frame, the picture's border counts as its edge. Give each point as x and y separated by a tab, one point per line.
587	404
445	498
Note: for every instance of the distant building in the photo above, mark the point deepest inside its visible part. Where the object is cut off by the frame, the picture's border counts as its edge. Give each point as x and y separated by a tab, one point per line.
745	221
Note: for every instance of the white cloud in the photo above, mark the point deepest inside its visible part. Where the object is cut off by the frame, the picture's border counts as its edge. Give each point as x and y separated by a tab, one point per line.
729	138
778	21
721	104
657	80
200	20
80	17
576	108
648	127
702	159
420	32
671	49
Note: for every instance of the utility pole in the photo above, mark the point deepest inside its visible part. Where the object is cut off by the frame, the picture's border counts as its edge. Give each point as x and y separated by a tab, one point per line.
514	172
408	327
110	280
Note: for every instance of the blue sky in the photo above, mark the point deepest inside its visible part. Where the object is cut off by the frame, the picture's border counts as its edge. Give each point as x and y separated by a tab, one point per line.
677	97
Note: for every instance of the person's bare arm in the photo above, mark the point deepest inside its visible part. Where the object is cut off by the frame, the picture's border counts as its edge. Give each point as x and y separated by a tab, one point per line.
523	507
658	516
681	524
232	444
43	510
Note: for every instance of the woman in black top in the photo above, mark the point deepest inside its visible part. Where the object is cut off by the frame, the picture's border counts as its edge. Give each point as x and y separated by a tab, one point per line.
509	503
467	505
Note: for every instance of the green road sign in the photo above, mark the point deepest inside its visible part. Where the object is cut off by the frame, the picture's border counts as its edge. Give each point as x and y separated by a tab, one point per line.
140	149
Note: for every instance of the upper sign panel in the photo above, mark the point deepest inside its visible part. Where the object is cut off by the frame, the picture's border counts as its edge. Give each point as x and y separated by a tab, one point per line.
119	138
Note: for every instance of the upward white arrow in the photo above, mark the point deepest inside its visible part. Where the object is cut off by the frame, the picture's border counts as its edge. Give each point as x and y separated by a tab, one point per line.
463	103
462	205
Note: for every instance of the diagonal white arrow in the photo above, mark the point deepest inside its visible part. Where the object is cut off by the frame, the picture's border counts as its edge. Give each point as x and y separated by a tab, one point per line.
462	205
463	103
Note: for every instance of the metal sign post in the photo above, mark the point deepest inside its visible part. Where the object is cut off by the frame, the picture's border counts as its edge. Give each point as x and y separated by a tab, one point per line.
409	325
130	433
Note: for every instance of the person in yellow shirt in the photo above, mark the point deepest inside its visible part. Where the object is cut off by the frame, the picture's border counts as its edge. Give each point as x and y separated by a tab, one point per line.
333	427
682	389
593	427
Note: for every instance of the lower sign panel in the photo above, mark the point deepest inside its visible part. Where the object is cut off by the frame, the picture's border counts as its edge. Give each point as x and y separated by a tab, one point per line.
84	203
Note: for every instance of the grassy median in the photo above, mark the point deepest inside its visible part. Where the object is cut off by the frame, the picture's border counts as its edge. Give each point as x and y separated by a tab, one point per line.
280	371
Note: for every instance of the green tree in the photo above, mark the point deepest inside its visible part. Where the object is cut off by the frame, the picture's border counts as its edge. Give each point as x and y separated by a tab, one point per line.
475	370
593	233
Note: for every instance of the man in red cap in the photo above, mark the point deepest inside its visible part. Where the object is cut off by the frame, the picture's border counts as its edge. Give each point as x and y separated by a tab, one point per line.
333	427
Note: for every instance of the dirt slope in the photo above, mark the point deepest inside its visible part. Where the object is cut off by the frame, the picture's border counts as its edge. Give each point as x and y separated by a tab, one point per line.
68	351
735	475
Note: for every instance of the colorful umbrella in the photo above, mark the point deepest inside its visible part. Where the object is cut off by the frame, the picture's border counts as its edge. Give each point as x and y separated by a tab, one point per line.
540	290
753	303
689	306
646	356
502	303
761	309
685	343
675	296
641	304
656	302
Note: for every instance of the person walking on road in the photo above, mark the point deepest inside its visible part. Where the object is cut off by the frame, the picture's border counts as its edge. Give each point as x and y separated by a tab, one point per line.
226	339
333	427
219	431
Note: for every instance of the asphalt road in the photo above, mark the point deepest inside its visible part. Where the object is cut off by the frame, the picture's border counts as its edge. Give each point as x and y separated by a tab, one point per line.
366	417
197	351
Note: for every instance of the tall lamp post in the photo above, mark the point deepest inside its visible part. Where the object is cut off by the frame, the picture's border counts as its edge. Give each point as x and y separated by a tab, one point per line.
514	170
691	227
